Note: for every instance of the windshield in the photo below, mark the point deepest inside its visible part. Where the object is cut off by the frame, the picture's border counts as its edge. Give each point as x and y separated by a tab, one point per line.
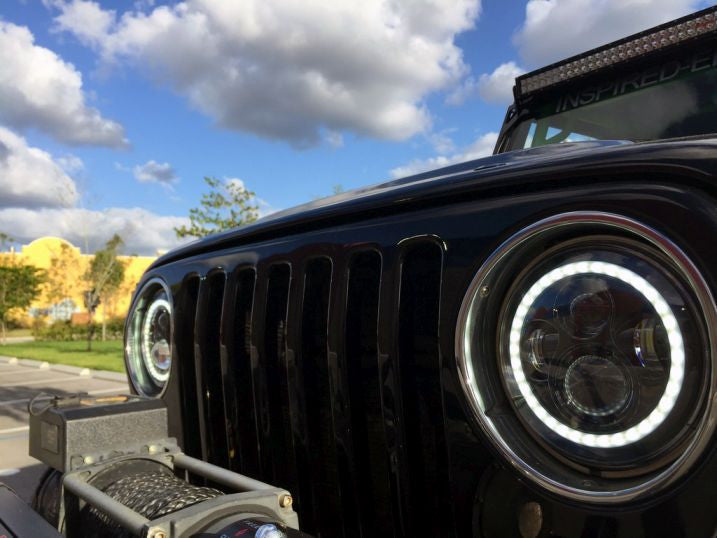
676	98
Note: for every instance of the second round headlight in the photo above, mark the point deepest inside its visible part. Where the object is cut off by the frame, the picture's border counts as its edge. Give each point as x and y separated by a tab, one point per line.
148	339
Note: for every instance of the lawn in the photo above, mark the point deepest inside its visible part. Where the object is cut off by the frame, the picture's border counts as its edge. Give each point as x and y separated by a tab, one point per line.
104	355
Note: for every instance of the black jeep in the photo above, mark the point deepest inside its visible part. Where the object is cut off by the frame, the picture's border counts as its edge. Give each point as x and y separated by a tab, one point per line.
521	345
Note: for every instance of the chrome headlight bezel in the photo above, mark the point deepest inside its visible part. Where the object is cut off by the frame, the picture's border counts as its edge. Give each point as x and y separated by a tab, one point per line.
146	378
478	318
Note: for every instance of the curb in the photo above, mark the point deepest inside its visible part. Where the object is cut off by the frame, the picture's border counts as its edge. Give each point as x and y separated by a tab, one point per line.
74	370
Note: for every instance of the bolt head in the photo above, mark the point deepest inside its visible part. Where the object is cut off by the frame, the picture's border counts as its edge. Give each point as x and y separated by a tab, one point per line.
285	501
530	520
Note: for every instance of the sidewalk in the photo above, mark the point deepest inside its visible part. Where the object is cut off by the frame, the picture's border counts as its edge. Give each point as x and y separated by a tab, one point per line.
20	380
18	339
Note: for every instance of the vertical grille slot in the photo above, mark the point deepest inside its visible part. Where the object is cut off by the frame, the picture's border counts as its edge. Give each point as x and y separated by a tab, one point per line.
276	422
185	311
419	361
361	350
208	369
241	415
318	498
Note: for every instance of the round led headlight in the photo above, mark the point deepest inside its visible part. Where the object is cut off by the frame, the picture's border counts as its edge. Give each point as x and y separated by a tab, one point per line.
148	339
586	349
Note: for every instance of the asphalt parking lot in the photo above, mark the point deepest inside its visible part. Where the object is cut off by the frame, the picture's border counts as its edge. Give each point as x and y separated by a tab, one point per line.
20	380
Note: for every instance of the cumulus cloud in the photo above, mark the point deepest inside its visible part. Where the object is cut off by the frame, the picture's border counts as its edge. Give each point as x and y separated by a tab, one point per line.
495	87
290	70
38	197
465	90
143	232
441	141
481	147
154	172
71	164
38	89
334	139
29	176
89	21
556	29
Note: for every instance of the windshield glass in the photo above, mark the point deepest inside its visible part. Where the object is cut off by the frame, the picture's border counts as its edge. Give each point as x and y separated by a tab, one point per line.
676	98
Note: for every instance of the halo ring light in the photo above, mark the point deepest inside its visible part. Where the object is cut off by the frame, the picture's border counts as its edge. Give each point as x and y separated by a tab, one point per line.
677	354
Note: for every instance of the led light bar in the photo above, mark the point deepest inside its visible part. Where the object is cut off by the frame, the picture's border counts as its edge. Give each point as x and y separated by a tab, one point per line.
677	355
660	37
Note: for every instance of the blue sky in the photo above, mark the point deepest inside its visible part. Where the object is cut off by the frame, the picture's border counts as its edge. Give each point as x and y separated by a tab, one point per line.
159	109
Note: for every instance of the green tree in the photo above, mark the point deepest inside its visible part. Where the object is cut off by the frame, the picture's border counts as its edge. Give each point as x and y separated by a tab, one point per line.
5	240
64	262
103	277
228	204
19	286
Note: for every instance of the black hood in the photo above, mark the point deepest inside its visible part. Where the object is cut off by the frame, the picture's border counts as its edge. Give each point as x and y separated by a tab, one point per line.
694	156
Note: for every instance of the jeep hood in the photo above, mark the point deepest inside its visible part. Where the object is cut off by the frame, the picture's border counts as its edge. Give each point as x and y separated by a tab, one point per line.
513	170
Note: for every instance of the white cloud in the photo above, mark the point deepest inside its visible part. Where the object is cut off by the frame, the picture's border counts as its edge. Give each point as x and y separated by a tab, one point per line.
154	172
482	147
265	208
141	5
30	177
71	164
38	198
88	20
556	29
143	232
292	68
442	142
38	89
334	139
495	87
464	91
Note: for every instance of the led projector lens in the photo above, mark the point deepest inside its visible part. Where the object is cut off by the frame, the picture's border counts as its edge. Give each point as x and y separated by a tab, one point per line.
148	337
586	350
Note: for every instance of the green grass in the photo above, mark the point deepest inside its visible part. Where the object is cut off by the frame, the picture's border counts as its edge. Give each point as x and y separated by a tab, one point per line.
104	355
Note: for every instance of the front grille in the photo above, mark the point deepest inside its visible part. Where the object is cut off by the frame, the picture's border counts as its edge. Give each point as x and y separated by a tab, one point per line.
323	375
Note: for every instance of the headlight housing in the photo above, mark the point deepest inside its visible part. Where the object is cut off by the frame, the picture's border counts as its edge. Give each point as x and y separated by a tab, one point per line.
148	339
586	350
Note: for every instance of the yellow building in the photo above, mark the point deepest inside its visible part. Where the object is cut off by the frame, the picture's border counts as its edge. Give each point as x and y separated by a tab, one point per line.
64	265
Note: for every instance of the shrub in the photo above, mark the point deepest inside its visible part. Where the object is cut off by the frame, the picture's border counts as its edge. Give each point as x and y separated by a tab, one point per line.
66	331
56	331
115	328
